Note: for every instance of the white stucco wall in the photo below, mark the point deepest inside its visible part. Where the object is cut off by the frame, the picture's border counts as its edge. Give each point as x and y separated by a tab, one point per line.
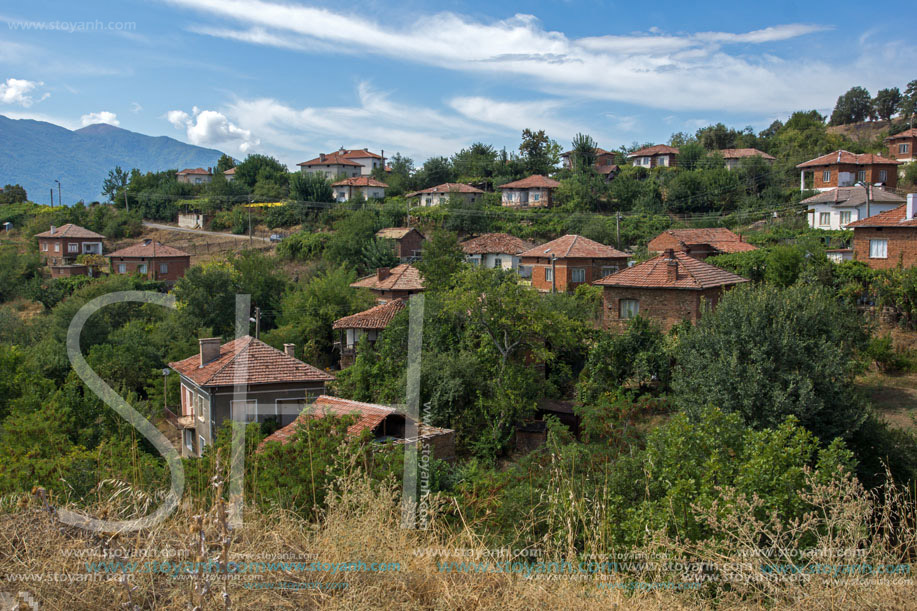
834	213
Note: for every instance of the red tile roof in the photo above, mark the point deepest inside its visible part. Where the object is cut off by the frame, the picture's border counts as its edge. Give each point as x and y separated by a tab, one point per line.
598	152
743	153
359	154
606	169
377	317
889	218
188	171
149	249
447	187
360	181
496	244
575	246
404	277
369	416
854	196
692	274
332	159
253	362
908	133
650	151
230	172
395	233
69	231
719	238
847	157
536	181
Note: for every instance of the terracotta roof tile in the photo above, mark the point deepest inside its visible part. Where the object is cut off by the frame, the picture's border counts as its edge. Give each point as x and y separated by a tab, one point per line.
649	151
69	231
369	416
377	317
396	233
253	361
889	218
536	181
847	157
149	249
447	187
854	196
230	172
197	171
360	181
743	153
332	159
359	154
653	273
575	246
598	152
680	239
404	277
496	244
606	169
908	133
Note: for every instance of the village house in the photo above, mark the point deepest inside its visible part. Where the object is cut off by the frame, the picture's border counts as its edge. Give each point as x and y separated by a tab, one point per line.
151	259
658	156
495	250
407	240
368	323
845	169
385	425
536	191
699	243
358	188
369	161
274	385
563	264
888	239
837	208
602	158
668	288
230	174
60	247
194	176
398	282
733	157
332	166
901	146
440	194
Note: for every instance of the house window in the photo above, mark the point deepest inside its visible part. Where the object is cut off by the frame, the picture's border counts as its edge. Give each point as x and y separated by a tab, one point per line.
903	148
883	175
826	176
200	441
629	308
548	274
122	268
845	217
71	247
536	196
44	246
141	268
824	218
244	411
189	440
577	274
878	249
609	270
498	263
647	161
163	268
861	175
57	247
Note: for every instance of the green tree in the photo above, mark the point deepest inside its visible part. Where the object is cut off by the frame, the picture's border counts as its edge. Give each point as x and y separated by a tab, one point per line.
886	103
312	187
442	258
435	171
540	154
583	153
207	295
852	107
264	170
115	183
225	162
909	102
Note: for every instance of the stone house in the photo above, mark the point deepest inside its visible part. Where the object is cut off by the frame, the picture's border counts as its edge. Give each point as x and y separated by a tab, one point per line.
440	194
408	242
658	156
534	191
151	259
699	243
397	282
495	250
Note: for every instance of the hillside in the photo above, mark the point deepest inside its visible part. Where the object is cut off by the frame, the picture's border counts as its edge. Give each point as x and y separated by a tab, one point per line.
863	132
81	159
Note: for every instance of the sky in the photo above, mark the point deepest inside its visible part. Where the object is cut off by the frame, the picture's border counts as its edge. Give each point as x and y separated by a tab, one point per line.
295	79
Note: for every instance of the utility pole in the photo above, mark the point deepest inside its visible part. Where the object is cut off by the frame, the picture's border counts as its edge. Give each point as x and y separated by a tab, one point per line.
52	197
257	322
250	242
618	229
60	200
127	208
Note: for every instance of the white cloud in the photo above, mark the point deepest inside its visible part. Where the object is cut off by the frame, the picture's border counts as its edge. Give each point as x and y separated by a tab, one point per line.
103	116
136	107
211	128
18	91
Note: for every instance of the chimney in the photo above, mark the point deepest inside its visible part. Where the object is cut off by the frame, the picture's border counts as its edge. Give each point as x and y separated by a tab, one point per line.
382	273
671	270
210	349
321	156
290	350
911	206
53	229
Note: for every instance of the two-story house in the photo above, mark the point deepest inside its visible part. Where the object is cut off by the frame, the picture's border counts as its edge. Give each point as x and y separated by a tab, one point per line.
535	191
369	161
658	156
888	239
194	176
845	169
408	242
668	288
563	264
368	323
151	259
244	380
901	146
59	248
386	284
495	250
358	188
837	208
699	243
332	166
440	194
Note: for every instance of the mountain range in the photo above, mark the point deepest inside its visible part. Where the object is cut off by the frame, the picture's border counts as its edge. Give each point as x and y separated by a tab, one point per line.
36	153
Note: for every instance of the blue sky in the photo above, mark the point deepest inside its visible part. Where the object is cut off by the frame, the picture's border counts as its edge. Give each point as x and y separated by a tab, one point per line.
293	79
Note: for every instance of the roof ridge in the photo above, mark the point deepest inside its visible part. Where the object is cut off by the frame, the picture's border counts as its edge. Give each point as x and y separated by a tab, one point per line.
237	354
688	267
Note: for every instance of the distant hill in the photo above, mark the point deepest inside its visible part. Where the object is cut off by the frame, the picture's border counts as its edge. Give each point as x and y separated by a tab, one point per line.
36	153
864	132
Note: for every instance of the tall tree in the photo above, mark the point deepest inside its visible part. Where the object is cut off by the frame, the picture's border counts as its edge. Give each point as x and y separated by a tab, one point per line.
909	102
225	162
852	107
312	187
116	182
886	103
539	153
583	154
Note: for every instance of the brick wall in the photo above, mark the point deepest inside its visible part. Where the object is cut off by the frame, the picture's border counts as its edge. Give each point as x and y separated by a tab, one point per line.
902	246
56	257
406	246
666	306
177	266
562	273
893	148
873	174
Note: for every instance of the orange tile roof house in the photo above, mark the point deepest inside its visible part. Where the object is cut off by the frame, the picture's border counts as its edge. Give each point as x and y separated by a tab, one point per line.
563	264
901	146
889	239
440	194
151	259
408	242
396	283
535	190
733	157
384	423
274	384
699	243
495	250
837	208
343	162
658	156
845	169
59	248
368	323
194	176
359	188
668	288
230	174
